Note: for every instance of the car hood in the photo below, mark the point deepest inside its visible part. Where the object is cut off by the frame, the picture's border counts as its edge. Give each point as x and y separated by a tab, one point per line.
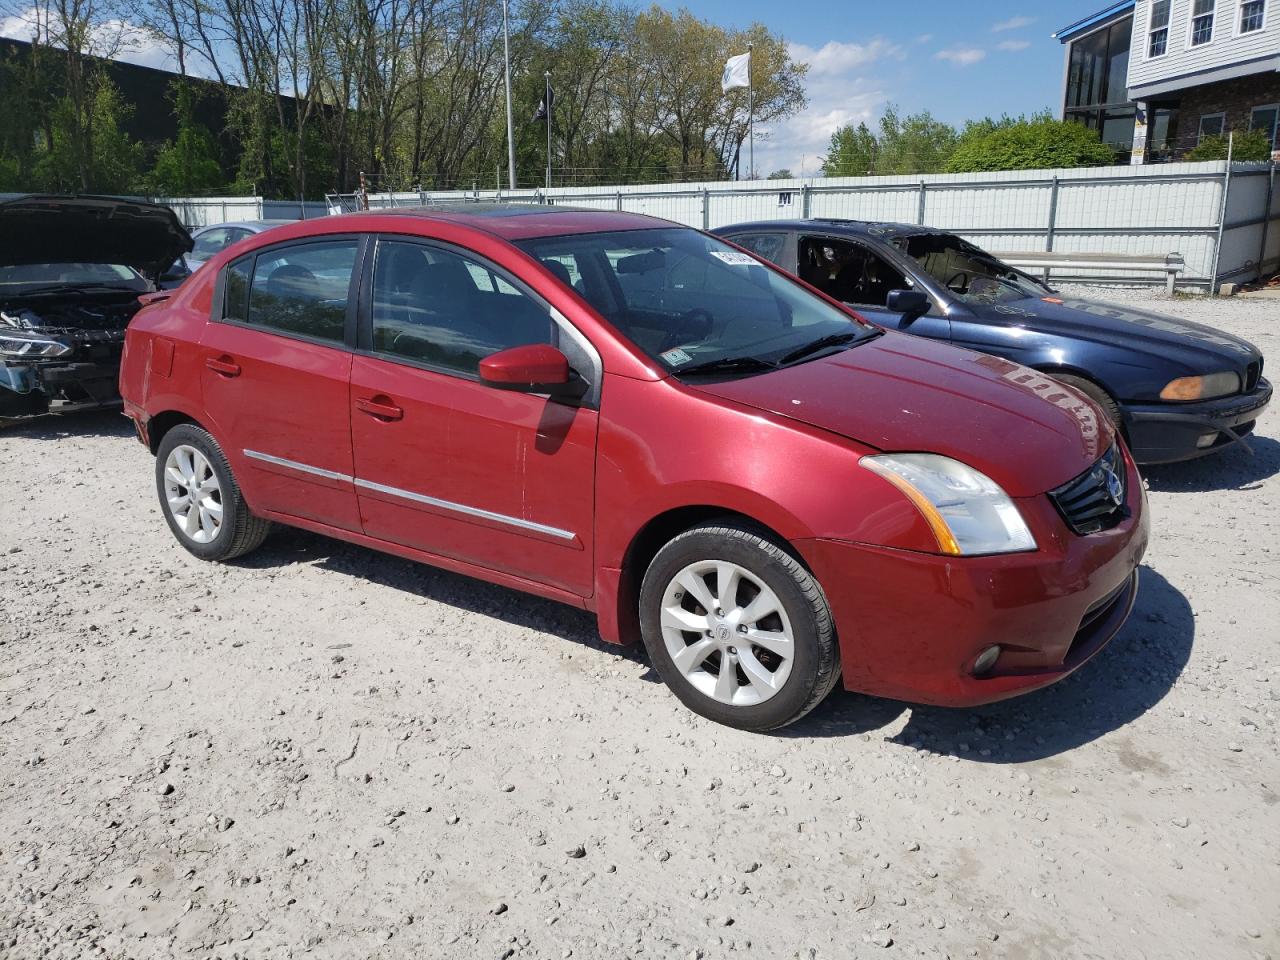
905	394
52	229
1198	348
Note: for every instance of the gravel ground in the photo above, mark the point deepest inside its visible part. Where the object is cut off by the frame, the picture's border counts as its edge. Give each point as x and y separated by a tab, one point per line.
323	751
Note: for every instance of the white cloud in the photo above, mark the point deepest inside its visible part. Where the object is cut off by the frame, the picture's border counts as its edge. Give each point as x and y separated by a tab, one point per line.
835	58
961	56
119	39
1013	45
1013	23
924	38
841	90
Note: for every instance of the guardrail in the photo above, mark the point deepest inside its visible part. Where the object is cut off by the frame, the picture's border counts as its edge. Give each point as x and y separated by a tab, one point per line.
1223	218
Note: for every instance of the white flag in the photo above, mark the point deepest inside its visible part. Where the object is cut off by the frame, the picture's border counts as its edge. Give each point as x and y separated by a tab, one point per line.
737	73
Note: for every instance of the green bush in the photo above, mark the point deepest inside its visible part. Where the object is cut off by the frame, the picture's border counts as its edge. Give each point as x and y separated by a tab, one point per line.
1038	143
1251	146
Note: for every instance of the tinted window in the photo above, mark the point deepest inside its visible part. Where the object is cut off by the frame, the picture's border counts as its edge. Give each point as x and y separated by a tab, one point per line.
688	299
849	272
448	310
303	289
235	299
765	245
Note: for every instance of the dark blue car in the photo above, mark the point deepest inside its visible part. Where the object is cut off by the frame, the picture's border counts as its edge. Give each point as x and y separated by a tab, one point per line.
1176	389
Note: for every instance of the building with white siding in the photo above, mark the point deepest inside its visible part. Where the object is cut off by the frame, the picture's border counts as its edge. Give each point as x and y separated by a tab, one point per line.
1154	77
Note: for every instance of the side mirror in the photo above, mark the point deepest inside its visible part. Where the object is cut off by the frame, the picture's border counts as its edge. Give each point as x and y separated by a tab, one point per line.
912	304
533	368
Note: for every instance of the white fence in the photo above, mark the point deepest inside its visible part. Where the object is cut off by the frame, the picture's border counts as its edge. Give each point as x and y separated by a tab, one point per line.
1224	222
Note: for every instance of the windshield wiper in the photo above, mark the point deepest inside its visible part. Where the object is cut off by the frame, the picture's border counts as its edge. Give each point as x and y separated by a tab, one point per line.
822	343
729	365
78	288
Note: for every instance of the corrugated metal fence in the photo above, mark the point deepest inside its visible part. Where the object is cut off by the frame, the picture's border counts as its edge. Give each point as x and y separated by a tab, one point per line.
1224	221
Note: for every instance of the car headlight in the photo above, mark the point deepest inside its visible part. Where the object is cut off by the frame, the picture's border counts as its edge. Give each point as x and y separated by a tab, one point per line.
1207	387
967	511
31	347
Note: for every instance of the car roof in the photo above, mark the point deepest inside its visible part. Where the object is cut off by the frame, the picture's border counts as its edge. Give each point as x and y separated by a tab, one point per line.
836	225
510	221
257	226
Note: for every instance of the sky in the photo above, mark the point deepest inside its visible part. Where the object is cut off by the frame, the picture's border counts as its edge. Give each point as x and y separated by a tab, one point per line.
958	59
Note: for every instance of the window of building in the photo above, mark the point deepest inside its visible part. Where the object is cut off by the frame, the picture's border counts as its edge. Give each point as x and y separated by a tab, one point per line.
1158	29
1201	22
1251	15
302	289
1097	93
1267	119
447	310
1211	125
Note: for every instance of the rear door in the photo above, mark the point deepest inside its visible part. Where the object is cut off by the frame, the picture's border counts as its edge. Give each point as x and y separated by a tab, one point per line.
448	465
276	373
857	274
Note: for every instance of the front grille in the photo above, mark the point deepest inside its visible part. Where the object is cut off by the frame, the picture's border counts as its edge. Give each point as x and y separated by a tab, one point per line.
1094	500
1252	374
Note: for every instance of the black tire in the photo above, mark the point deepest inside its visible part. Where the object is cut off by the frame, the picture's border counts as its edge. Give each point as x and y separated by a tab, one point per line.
240	532
1097	395
816	663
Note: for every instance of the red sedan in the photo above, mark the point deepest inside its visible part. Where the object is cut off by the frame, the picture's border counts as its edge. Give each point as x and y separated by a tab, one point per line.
638	419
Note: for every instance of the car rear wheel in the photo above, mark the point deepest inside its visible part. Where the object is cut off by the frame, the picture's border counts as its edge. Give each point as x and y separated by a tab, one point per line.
738	628
200	498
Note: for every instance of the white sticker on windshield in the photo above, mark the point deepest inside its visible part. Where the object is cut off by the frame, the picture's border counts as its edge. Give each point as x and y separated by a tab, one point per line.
676	357
734	258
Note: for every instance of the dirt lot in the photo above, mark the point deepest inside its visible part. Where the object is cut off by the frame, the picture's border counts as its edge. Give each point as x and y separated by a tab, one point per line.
323	751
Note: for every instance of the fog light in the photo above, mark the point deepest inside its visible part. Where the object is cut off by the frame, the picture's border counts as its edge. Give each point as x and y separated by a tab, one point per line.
1206	440
986	660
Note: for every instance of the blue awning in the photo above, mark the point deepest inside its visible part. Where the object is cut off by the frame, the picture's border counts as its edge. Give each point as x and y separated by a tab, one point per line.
1088	23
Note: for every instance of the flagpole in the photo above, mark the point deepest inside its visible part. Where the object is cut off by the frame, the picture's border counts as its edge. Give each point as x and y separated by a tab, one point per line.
547	101
506	60
751	117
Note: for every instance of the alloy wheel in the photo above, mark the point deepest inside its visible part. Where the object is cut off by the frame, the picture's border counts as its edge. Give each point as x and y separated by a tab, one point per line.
727	633
193	494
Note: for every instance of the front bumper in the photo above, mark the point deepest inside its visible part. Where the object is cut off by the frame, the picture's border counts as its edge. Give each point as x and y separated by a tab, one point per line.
911	625
1168	432
57	386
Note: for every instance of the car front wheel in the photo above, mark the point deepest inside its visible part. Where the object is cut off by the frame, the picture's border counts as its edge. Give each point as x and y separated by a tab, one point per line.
201	499
738	628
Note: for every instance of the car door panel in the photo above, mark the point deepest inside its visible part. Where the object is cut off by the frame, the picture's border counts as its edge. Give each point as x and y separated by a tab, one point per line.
497	478
280	401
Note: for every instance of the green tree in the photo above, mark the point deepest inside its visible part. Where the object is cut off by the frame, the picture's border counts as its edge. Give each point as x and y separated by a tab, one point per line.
852	152
1253	145
783	174
1040	142
188	165
90	152
914	144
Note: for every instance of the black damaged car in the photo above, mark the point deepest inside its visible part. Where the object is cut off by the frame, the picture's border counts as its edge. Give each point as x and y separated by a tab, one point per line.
1174	388
71	272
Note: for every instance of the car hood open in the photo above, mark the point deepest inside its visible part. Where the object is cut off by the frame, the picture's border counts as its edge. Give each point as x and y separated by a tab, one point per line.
905	394
54	229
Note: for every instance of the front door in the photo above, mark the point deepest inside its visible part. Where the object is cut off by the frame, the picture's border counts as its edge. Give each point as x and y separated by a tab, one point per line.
448	465
275	376
855	274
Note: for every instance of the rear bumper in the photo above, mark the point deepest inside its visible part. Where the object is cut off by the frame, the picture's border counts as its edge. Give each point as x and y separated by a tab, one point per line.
911	625
1168	432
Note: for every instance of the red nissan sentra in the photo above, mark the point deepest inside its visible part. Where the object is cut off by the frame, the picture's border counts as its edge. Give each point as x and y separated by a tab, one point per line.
641	420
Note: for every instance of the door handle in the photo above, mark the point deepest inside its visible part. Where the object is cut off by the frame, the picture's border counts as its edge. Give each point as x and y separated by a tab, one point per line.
223	365
380	408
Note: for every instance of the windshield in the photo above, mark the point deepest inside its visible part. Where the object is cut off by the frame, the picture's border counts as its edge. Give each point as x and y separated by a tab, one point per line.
973	275
20	277
694	303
